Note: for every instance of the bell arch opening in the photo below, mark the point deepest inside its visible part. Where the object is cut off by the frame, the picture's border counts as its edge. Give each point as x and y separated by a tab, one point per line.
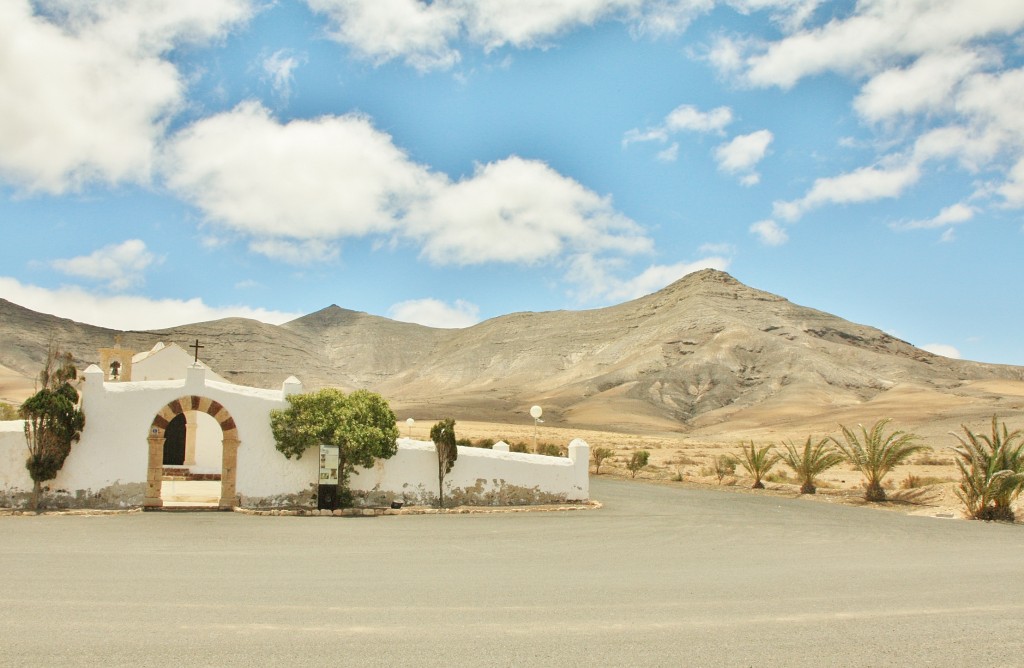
158	437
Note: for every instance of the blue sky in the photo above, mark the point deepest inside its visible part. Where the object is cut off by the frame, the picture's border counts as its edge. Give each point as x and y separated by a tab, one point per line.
172	161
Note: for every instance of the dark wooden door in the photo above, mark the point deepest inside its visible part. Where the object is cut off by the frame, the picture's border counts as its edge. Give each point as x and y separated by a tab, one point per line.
174	445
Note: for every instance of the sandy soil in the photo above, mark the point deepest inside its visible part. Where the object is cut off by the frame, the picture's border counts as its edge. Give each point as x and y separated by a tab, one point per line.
14	387
924	486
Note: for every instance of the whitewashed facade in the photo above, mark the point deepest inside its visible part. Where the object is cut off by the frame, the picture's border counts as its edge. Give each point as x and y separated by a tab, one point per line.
118	462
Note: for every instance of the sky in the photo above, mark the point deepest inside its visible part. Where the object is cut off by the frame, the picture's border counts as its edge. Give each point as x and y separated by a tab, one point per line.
164	162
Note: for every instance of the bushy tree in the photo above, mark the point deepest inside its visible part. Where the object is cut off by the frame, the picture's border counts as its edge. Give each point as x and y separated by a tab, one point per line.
875	454
758	462
599	455
443	436
52	420
991	471
360	424
814	459
638	461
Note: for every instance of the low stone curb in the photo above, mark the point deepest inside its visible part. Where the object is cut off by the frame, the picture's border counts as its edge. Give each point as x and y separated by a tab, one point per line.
378	512
303	512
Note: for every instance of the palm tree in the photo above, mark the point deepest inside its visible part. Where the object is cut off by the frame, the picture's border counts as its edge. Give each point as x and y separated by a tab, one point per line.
874	454
815	459
758	462
991	472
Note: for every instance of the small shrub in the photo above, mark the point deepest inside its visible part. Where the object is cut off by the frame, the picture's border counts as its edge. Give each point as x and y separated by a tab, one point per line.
465	442
599	455
637	461
724	465
930	459
8	412
518	447
549	450
485	443
778	477
916	481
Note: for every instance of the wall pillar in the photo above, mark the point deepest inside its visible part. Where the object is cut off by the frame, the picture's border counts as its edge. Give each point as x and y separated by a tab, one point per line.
154	472
191	423
229	473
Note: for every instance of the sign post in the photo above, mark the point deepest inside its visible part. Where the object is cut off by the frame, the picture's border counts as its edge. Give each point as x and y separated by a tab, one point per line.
327	489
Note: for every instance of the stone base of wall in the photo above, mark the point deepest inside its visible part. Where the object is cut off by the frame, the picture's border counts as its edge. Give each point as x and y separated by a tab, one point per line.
114	497
419	496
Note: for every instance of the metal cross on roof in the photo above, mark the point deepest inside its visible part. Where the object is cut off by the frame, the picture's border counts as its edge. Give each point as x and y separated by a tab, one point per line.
197	347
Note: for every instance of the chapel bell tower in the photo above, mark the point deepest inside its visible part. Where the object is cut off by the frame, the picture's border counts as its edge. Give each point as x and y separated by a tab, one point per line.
116	362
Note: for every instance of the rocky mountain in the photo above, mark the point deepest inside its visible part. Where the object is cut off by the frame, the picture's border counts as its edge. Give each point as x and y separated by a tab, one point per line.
704	352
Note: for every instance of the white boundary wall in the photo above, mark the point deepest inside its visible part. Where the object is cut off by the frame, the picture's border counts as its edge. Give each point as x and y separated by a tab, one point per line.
107	468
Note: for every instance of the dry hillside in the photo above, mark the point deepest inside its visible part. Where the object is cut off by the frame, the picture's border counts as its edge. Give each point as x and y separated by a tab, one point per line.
707	356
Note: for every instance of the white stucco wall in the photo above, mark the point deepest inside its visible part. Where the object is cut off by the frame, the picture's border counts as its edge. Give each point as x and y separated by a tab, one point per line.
14	476
166	362
491	477
110	461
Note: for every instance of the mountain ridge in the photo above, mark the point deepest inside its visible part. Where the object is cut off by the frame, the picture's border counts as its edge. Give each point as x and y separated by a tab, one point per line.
702	352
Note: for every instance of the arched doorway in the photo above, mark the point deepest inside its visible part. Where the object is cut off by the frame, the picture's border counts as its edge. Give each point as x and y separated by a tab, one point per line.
158	437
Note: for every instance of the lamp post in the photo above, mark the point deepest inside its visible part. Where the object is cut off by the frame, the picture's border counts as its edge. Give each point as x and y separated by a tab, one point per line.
535	413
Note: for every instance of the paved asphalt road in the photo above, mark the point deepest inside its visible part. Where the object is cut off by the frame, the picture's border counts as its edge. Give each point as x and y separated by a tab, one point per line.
660	576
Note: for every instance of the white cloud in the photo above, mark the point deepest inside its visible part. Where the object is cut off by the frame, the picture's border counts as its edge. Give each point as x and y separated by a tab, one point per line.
942	349
924	86
861	185
688	117
598	280
385	29
1013	190
670	154
951	215
743	153
127	312
326	179
120	266
436	313
424	33
280	67
879	32
296	252
87	93
769	232
517	211
683	117
717	249
318	179
934	82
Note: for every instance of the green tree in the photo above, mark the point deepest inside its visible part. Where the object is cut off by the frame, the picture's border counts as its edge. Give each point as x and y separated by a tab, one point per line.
443	436
599	455
360	424
758	462
812	461
875	454
638	461
52	420
991	472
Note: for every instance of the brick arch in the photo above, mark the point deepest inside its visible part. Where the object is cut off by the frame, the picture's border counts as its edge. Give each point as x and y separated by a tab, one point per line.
157	437
194	403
